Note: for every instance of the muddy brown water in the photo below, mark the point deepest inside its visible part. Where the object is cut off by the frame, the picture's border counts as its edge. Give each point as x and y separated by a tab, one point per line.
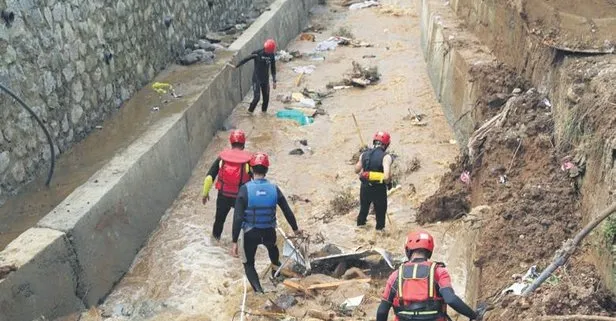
85	158
181	274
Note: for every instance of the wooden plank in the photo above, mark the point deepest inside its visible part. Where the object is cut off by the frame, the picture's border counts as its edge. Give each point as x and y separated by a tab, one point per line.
325	316
297	287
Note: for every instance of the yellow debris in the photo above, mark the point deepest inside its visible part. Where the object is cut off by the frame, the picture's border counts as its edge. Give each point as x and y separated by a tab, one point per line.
162	87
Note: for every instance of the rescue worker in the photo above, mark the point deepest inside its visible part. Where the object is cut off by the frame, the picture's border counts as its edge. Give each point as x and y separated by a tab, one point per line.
374	169
255	218
421	289
233	166
265	59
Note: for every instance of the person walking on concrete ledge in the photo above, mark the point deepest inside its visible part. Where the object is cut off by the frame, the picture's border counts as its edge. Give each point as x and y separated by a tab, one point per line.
255	218
232	165
265	59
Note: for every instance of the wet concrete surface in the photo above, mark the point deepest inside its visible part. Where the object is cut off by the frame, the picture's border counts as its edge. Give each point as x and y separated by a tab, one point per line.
182	274
85	158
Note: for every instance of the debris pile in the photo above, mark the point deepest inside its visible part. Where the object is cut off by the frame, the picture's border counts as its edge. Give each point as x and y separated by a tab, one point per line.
359	76
335	284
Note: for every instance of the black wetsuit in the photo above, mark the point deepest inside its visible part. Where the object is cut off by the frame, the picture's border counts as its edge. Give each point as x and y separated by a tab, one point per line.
373	193
255	236
260	77
223	203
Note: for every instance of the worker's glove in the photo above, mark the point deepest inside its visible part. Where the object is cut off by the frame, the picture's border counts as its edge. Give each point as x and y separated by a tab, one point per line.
364	175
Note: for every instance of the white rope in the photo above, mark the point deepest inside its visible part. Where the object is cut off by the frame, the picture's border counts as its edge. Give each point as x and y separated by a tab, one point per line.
244	300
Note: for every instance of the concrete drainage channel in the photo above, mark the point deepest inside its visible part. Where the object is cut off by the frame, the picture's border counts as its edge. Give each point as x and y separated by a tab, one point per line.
75	254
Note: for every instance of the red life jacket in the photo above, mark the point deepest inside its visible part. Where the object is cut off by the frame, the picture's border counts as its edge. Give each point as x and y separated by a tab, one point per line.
418	297
232	173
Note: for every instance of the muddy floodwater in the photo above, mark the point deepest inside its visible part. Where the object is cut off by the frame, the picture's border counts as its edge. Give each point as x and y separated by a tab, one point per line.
182	274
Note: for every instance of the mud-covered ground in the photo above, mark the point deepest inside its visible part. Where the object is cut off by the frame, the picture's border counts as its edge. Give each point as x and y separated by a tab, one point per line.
571	24
527	204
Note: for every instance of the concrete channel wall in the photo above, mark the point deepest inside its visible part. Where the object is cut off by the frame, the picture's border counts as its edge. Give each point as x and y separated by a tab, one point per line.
449	66
76	254
451	54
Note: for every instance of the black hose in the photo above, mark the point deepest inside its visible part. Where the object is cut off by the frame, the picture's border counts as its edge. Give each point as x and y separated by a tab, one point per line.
38	120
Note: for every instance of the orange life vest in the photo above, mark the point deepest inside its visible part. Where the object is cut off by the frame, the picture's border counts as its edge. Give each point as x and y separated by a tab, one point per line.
232	173
418	297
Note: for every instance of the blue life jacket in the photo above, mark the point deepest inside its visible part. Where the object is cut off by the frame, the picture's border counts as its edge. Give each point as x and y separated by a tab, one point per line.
262	201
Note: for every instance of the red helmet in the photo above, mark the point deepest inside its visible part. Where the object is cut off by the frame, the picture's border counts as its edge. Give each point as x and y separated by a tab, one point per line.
382	137
269	46
237	136
260	159
419	240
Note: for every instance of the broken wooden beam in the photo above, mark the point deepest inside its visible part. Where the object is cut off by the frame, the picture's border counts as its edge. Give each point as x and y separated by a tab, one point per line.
297	287
325	316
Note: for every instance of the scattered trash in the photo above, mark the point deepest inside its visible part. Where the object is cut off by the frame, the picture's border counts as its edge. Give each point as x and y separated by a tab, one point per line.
307	37
326	45
522	281
368	56
574	167
362	82
297	151
333	42
365	4
295	115
341	87
453	141
503	179
284	56
358	77
546	102
317	96
162	87
418	117
308	102
303	142
155	108
465	177
284	97
304	69
352	303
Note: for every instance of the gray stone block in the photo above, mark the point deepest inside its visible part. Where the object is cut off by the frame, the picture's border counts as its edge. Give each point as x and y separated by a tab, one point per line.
44	283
